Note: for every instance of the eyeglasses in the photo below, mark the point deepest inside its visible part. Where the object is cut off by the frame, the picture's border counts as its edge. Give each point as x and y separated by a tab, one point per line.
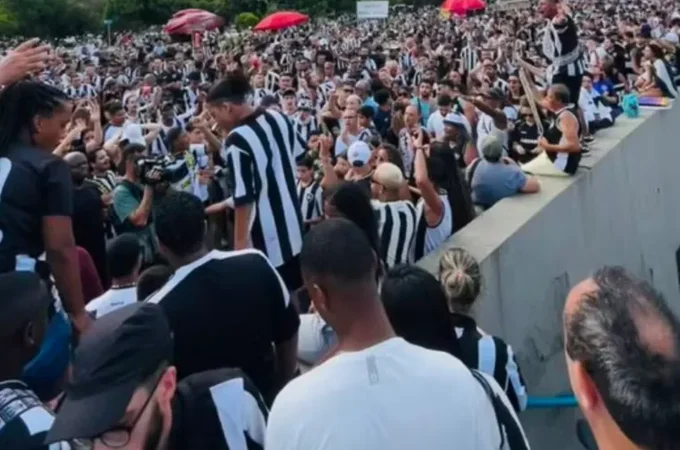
119	436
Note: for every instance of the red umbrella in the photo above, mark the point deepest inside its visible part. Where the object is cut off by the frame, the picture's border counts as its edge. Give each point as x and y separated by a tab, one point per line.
186	11
462	7
190	22
280	20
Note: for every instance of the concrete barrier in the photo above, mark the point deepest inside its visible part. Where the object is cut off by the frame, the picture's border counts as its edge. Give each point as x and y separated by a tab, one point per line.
621	208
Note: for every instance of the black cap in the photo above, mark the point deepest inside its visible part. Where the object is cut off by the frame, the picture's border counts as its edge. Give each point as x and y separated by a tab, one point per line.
495	94
23	296
120	351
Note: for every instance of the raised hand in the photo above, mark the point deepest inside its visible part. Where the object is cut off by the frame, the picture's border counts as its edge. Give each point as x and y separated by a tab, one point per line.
27	58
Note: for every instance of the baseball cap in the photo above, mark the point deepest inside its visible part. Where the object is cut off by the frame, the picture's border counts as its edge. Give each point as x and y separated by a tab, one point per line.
453	119
133	134
494	94
358	154
23	294
120	351
389	175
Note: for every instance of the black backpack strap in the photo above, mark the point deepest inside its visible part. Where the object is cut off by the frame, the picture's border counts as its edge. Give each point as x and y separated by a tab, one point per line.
507	425
492	396
470	172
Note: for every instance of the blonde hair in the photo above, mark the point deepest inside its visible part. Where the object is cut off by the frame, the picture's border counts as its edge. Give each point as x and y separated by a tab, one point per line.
461	279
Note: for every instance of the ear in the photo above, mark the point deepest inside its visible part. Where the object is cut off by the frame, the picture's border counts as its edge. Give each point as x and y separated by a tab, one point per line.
319	299
28	335
583	386
37	124
166	389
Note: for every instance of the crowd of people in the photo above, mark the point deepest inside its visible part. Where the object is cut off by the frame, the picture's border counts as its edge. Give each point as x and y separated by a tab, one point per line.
213	246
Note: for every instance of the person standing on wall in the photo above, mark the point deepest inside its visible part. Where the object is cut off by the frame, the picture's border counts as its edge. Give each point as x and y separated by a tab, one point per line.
562	48
260	153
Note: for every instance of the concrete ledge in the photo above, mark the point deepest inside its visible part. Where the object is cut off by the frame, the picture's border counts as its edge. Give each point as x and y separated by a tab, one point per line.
621	208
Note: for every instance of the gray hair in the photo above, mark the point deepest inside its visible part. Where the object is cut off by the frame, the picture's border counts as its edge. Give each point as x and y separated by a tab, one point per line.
492	148
636	374
561	93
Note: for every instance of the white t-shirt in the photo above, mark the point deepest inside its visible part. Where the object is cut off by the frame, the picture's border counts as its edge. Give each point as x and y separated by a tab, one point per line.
394	396
435	124
111	300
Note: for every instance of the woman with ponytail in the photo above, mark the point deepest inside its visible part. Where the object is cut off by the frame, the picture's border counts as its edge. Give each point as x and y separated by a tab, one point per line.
36	202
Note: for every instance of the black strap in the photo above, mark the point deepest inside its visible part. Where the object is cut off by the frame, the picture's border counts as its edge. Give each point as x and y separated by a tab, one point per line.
471	170
507	425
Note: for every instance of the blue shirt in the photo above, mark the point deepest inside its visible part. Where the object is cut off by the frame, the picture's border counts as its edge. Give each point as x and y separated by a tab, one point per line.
370	102
423	109
492	182
604	87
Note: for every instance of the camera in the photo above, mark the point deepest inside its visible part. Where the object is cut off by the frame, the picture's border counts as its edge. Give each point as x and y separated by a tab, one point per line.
171	170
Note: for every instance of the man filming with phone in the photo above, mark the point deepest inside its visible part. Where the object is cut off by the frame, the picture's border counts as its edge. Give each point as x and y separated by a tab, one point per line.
132	201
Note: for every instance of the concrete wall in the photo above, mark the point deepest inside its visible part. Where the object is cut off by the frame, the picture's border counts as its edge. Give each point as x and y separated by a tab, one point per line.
620	209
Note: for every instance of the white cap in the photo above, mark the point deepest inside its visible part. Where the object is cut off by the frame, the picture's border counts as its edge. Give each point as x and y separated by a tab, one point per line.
132	132
358	154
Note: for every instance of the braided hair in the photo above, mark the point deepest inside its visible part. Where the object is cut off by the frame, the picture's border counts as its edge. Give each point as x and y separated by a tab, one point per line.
20	103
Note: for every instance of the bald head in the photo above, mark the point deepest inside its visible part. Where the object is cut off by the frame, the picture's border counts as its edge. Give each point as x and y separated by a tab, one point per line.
621	335
77	162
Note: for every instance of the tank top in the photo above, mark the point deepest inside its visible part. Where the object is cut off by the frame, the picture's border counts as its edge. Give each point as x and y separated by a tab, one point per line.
565	161
429	238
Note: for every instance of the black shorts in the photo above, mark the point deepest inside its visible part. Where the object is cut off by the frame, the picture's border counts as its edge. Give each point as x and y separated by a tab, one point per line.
290	272
572	82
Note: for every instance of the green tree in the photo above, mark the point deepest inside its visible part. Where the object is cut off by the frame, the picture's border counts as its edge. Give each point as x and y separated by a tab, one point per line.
246	20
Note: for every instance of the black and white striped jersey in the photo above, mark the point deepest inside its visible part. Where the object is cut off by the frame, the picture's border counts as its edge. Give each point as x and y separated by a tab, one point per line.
24	420
105	183
189	98
311	200
561	46
305	128
81	92
370	64
260	155
397	229
469	58
492	356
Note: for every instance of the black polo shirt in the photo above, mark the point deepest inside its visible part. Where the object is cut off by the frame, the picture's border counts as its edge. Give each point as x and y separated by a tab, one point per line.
33	184
226	309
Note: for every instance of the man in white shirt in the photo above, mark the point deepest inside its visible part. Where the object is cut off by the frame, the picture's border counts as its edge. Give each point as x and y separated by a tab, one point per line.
377	391
124	258
435	124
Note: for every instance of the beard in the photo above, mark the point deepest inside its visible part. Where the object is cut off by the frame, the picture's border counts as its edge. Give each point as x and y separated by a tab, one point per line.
153	438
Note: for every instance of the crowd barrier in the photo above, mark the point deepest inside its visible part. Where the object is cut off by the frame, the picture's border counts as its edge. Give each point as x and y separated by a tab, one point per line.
620	209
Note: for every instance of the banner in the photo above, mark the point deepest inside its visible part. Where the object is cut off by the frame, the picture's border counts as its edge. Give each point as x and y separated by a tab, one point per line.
505	5
373	10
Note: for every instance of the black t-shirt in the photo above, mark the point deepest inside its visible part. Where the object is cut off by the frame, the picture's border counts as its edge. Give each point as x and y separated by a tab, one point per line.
33	184
226	309
88	225
196	423
382	120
